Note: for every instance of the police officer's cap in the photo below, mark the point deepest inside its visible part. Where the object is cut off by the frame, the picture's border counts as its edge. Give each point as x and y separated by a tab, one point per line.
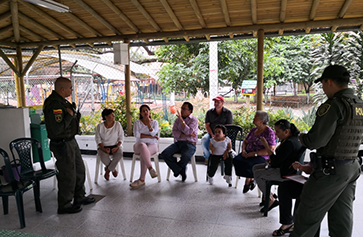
335	72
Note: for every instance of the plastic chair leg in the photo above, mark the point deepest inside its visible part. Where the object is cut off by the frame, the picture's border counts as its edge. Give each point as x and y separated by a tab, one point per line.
237	179
19	203
36	191
98	160
122	167
5	204
194	168
88	175
133	167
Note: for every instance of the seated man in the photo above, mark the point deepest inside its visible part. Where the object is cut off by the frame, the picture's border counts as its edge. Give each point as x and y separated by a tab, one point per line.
185	133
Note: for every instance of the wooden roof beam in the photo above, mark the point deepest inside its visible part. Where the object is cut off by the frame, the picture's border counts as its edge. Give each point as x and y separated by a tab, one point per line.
166	39
39	26
231	35
6	29
254	33
146	41
198	14
171	14
334	28
15	19
361	27
283	10
50	19
146	15
254	11
281	32
5	16
207	37
215	31
31	33
90	10
9	63
313	10
118	12
83	24
3	2
227	19
307	30
344	8
32	59
186	38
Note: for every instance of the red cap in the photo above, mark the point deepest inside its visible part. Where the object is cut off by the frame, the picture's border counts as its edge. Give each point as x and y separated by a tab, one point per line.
219	98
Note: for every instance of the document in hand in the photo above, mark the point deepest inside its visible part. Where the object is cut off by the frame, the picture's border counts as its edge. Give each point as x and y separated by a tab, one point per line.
297	178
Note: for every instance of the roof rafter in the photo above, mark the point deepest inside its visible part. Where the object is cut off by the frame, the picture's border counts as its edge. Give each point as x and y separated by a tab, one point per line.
6	29
197	12
83	24
91	11
254	11
225	12
15	19
283	10
146	15
5	16
313	10
40	26
3	2
51	19
33	34
345	8
171	14
118	12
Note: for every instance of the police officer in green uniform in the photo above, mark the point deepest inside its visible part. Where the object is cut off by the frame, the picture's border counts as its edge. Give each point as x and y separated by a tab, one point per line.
336	136
62	125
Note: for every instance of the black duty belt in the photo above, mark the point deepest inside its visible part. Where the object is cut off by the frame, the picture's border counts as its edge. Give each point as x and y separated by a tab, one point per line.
62	139
327	164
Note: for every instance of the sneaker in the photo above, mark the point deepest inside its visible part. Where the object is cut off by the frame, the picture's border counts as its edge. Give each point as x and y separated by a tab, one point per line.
137	184
153	173
210	180
228	179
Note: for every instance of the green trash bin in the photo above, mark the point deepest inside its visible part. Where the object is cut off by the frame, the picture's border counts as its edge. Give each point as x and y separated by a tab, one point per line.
39	132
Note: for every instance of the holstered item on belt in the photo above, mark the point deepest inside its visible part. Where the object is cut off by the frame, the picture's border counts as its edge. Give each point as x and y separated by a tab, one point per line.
320	163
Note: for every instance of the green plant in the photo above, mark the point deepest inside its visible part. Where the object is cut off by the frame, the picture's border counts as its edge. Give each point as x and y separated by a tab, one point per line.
89	123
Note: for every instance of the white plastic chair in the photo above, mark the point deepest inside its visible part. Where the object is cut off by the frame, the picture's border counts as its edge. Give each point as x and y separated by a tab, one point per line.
99	169
194	167
155	157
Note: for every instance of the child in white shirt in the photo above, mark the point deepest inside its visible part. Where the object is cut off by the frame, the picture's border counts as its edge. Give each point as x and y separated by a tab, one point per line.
220	146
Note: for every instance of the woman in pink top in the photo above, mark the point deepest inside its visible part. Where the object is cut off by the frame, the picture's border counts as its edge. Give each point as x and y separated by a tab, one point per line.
145	132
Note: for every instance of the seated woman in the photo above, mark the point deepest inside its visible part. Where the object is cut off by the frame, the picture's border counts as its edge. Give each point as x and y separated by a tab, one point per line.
253	152
279	164
287	191
145	132
109	138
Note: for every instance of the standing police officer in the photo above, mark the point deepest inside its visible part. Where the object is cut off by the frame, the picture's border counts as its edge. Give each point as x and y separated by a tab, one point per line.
62	125
336	135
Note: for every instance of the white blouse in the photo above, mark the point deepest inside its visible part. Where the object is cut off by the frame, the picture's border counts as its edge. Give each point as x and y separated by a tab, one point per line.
141	128
220	146
109	136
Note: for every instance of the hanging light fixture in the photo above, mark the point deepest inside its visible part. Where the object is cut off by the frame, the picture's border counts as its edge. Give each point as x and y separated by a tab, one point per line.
49	4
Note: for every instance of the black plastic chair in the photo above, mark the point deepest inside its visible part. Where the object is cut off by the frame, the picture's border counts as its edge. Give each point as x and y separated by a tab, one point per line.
234	132
23	148
16	188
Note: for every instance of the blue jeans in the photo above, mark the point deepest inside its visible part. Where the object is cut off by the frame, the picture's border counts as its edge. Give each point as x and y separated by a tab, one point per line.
186	150
205	145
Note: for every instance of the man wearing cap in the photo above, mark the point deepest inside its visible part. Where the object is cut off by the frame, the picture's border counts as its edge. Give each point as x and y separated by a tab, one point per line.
336	135
214	116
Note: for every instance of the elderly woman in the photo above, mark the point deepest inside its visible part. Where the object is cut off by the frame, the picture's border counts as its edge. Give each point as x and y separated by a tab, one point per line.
253	151
145	132
279	164
109	138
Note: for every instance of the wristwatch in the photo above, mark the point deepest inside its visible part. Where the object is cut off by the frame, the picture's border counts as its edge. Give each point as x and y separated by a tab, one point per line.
256	154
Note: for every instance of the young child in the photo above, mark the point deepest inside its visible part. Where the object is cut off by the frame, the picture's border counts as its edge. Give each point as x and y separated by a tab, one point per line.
221	147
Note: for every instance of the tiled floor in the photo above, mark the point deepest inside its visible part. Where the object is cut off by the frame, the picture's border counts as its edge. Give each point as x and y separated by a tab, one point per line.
169	208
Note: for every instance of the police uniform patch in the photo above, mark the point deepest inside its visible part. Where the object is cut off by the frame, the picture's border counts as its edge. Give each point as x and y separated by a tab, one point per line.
58	118
323	109
57	111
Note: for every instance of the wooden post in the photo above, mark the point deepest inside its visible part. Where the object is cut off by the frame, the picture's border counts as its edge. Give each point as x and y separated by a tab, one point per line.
128	95
260	69
21	92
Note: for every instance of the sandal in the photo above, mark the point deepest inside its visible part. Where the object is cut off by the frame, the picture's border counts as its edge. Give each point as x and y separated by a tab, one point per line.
281	232
137	184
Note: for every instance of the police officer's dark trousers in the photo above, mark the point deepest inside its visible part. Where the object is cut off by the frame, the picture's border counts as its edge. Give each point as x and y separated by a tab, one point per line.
71	175
332	194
